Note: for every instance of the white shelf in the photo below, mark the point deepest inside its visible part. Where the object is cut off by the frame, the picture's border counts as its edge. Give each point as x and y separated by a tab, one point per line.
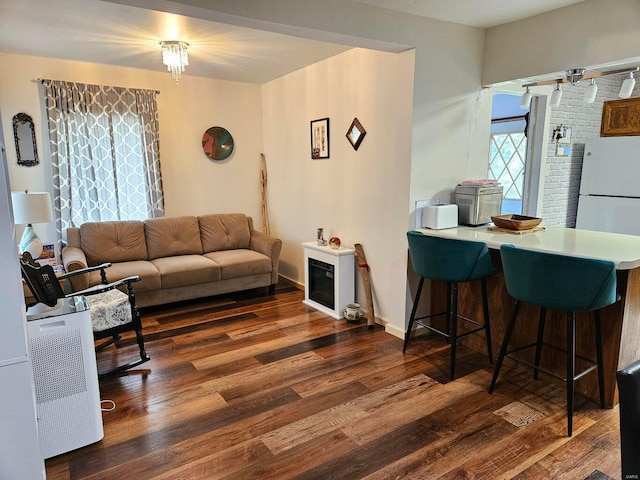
343	262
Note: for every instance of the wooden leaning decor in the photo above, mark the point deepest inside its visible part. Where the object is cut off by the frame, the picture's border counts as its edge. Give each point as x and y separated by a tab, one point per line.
363	267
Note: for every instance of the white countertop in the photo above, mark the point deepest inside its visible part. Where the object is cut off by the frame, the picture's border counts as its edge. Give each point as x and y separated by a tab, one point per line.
623	250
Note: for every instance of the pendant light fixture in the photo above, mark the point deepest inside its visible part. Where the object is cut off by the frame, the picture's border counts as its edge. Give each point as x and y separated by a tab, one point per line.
627	86
575	75
556	96
590	91
175	57
525	101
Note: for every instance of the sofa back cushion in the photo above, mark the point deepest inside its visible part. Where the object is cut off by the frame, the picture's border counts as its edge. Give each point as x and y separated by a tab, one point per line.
224	231
118	241
171	236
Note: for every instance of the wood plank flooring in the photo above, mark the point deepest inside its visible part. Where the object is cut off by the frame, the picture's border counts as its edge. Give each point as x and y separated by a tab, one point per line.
249	386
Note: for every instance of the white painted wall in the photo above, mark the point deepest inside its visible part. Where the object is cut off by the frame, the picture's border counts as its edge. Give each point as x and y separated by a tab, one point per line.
193	184
589	33
354	195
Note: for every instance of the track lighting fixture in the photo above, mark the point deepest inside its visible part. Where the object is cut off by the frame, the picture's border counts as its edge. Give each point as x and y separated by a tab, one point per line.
575	75
525	101
590	91
627	86
556	96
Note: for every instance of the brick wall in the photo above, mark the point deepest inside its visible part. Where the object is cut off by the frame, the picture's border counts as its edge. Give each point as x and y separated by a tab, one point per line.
562	180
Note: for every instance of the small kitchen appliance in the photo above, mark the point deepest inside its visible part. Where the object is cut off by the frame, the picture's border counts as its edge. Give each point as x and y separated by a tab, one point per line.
440	216
477	203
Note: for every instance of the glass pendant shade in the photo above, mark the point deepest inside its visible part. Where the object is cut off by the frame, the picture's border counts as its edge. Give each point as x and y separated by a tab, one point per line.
175	57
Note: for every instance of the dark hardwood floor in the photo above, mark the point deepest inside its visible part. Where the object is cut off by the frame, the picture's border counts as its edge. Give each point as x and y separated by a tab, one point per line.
249	386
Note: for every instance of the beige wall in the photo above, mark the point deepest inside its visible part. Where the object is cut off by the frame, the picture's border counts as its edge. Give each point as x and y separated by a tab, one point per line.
352	194
193	184
590	33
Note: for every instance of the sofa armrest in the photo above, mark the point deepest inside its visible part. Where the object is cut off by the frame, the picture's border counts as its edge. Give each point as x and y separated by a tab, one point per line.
73	258
269	246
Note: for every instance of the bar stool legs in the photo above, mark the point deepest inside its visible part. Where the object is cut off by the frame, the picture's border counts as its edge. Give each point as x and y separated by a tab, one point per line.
571	375
451	315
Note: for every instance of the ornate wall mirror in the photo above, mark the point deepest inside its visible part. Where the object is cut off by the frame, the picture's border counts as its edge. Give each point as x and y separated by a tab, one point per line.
25	137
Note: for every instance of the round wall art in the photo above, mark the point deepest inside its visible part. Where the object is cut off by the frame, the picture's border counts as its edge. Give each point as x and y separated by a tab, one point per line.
217	143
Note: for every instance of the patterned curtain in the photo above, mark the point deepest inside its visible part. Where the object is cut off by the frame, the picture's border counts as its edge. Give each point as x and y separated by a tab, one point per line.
105	153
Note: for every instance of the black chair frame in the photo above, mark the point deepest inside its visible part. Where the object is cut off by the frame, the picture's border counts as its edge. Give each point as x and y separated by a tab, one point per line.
45	287
571	356
451	334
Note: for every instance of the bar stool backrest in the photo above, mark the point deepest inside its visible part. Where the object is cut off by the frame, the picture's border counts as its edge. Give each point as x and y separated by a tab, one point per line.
557	281
448	259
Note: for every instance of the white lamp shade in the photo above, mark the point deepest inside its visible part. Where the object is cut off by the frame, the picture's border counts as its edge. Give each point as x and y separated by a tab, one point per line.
31	207
590	93
627	87
555	97
525	101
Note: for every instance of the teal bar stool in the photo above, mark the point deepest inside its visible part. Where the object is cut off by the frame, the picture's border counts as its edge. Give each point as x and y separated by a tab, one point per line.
558	282
454	262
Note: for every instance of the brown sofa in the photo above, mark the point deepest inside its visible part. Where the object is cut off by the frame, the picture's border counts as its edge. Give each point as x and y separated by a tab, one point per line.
176	258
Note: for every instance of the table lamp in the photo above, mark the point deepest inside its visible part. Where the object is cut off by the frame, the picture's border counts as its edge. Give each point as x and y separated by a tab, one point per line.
29	208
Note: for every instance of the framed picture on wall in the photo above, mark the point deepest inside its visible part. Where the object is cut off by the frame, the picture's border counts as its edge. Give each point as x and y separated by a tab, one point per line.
320	138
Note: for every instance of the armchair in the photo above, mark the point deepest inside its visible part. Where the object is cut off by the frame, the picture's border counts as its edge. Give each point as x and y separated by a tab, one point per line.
112	311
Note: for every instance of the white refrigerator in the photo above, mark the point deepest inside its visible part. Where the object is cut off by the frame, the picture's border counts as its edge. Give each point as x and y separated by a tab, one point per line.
609	198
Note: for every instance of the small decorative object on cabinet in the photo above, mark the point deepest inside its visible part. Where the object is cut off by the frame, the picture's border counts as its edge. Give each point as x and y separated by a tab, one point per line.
356	133
320	138
217	143
329	278
334	242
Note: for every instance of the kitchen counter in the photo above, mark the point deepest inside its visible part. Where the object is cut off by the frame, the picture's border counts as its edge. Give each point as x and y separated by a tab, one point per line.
621	321
623	250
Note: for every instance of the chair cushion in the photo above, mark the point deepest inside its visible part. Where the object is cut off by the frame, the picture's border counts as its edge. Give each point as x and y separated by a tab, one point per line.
240	263
558	281
109	309
172	236
224	231
449	260
119	241
183	270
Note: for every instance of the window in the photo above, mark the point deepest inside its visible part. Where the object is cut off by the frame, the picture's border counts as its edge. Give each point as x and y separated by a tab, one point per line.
105	153
507	155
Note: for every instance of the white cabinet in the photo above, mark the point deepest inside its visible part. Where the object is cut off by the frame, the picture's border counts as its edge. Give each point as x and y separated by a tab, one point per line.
329	278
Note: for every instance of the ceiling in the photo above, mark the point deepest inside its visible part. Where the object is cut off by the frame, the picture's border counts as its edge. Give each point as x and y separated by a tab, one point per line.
475	13
101	32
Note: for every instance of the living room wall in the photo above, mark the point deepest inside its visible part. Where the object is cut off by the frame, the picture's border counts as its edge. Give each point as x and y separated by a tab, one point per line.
193	184
348	194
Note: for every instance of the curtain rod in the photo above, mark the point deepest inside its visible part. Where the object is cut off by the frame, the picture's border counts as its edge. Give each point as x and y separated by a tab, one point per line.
41	80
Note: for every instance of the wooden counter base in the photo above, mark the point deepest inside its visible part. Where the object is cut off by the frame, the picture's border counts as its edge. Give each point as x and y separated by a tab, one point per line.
620	329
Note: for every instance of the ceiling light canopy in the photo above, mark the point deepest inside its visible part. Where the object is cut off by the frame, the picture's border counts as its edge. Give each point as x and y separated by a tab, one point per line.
573	76
175	57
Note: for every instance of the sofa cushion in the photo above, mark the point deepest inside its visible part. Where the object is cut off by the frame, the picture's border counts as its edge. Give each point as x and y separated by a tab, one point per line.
118	241
148	273
171	236
186	270
240	263
226	231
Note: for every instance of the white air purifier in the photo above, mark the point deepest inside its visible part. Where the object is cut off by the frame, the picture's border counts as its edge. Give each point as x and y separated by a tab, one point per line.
66	377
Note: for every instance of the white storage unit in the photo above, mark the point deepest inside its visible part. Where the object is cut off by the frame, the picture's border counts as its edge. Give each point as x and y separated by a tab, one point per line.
66	376
329	278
